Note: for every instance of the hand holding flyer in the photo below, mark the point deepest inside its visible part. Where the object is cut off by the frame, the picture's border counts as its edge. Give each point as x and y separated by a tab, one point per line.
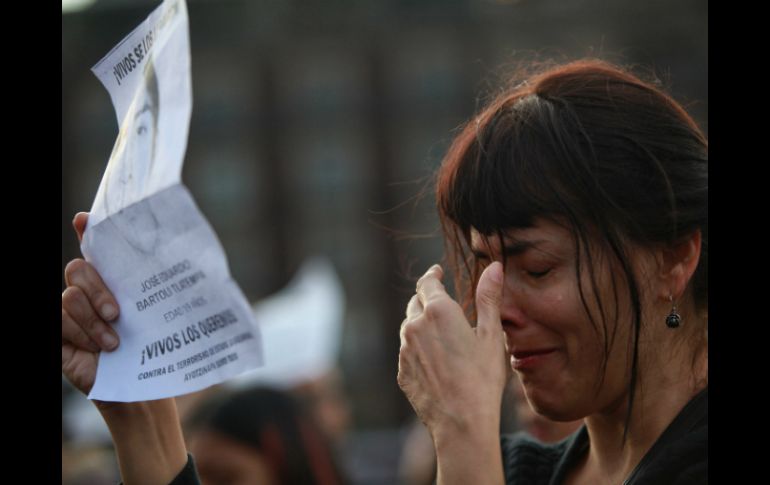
184	323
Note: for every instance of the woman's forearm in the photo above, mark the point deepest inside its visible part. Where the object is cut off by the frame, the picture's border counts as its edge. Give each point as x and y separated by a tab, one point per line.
148	440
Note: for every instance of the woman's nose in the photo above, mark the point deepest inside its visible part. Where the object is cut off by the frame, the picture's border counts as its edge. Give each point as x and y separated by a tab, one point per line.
512	306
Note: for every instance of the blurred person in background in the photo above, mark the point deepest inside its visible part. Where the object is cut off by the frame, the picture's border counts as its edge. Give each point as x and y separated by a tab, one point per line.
259	436
325	400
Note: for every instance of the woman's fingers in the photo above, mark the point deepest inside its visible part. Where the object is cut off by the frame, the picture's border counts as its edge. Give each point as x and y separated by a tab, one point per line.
77	309
445	370
82	275
489	295
74	334
414	307
429	286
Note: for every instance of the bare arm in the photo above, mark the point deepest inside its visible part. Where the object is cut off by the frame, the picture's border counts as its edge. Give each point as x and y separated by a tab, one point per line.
148	440
147	435
472	456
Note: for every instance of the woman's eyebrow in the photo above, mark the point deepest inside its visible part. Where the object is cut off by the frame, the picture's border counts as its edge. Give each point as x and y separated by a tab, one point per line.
518	247
511	248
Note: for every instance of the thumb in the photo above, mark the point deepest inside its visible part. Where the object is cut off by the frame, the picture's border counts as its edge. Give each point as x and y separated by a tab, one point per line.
489	296
79	223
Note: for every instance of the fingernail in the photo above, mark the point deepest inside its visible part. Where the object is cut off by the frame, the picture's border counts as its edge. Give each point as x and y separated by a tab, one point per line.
108	341
109	311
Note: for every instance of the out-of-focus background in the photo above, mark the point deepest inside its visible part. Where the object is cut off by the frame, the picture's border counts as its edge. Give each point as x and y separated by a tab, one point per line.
316	126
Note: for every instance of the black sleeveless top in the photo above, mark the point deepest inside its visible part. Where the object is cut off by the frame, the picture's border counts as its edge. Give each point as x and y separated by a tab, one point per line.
678	457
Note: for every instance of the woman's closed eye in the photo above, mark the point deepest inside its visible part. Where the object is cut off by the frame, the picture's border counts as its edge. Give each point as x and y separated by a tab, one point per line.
538	274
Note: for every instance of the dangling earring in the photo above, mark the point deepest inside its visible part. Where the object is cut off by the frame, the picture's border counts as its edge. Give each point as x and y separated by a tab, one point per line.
673	320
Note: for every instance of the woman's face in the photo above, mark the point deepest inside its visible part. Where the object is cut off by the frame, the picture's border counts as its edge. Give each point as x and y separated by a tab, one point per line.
540	427
555	349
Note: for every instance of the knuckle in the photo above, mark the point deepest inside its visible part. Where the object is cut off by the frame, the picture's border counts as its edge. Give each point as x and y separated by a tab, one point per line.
78	308
403	326
100	296
428	276
489	298
80	339
434	310
402	377
410	332
92	323
420	283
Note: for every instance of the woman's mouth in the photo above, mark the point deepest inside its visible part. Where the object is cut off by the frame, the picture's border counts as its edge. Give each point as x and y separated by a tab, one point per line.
529	359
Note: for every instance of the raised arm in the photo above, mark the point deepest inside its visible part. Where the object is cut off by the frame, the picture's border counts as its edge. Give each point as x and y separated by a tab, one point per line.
147	435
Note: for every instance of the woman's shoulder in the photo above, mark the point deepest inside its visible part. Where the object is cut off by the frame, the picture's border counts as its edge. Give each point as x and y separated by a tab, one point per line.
527	460
680	462
680	456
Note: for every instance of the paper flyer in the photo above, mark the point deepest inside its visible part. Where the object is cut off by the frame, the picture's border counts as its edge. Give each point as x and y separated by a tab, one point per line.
184	323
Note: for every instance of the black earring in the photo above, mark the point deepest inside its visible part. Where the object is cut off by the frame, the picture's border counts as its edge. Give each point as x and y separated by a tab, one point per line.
673	320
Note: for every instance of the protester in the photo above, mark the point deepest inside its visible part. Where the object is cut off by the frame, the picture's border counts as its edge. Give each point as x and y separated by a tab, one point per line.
575	208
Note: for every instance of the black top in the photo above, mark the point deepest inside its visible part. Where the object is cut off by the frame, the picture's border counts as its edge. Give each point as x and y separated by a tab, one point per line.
188	475
678	457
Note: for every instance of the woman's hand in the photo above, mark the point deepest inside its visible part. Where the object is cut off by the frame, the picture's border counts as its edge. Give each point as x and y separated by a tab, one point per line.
454	375
87	307
147	435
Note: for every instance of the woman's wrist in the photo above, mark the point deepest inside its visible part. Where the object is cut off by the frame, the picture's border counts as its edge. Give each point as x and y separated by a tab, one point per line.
473	434
148	440
118	413
469	454
471	422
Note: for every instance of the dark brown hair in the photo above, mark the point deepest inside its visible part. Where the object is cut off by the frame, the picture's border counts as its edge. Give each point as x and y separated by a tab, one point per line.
276	425
589	145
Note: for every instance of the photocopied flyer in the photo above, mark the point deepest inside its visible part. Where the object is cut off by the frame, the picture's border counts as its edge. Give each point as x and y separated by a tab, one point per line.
184	323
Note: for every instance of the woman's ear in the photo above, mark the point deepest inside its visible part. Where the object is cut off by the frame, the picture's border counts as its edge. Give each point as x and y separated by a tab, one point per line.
678	265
